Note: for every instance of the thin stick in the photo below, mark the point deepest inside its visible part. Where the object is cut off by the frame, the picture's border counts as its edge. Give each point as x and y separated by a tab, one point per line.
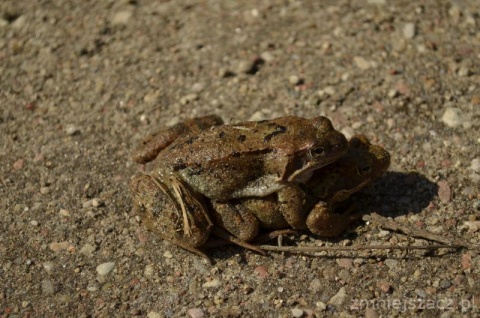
387	224
317	249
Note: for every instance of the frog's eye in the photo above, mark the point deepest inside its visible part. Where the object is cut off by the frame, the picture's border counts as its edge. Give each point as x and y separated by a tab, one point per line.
317	152
364	170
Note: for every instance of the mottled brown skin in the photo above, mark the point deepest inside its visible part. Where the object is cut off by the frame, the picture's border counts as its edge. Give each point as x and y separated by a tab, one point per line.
224	162
156	142
252	158
328	187
160	214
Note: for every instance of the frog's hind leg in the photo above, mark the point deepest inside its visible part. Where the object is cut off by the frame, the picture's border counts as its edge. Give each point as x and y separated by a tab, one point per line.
154	143
234	240
161	214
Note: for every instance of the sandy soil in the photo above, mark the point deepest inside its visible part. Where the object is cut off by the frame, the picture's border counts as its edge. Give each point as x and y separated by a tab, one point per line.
83	81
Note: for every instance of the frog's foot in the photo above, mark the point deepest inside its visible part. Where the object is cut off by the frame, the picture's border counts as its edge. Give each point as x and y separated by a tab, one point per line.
323	221
153	144
191	249
274	234
232	239
236	219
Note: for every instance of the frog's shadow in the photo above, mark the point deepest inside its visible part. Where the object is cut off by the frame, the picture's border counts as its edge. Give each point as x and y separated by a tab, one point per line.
397	193
394	194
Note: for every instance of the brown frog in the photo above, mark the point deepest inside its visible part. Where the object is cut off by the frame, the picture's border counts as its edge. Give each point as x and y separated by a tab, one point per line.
328	187
227	162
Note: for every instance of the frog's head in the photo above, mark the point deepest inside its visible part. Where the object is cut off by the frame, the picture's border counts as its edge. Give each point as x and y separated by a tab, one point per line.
327	146
371	161
362	163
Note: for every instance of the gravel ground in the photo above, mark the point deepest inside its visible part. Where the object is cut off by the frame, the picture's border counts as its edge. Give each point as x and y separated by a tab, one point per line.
83	81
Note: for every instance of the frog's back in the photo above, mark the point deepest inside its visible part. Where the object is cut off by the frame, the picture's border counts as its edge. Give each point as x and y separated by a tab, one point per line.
283	135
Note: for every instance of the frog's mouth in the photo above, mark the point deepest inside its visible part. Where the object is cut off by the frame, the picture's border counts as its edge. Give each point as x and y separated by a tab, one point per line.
303	168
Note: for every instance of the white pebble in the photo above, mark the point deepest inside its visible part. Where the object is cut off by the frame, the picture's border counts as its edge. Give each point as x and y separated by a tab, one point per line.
339	298
409	30
212	284
122	17
48	266
72	130
96	202
168	254
105	268
294	80
154	314
475	165
452	117
297	312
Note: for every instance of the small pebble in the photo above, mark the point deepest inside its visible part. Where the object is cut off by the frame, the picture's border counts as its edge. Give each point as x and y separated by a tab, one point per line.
320	305
316	285
212	284
150	97
19	22
297	312
92	288
87	204
383	233
475	165
64	212
48	266
452	117
245	66
105	268
377	2
58	246
345	262
34	222
96	202
87	249
48	287
294	80
472	226
444	191
262	271
463	71
339	298
154	314
187	99
72	130
148	271
409	30
385	287
122	17
197	87
168	254
445	283
466	261
195	313
392	264
17	165
45	190
267	56
362	63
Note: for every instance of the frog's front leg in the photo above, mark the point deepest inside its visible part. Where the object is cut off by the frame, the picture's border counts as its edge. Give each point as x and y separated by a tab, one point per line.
157	205
156	142
291	205
234	217
324	221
